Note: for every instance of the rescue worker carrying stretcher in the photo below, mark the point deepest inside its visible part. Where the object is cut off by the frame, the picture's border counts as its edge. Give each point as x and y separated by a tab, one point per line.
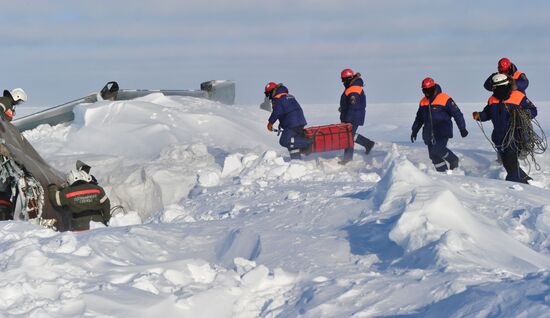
506	67
291	119
502	106
434	115
7	198
84	199
353	104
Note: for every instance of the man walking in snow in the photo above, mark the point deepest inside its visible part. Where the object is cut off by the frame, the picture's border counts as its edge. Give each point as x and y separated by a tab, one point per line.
353	104
506	67
434	115
503	106
83	198
291	119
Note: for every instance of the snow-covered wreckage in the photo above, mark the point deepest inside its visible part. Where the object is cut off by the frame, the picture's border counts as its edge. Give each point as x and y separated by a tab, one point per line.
32	174
222	91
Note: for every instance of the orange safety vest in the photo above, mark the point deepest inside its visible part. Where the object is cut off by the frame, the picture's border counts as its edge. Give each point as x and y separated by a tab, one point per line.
516	75
353	89
279	95
515	99
440	100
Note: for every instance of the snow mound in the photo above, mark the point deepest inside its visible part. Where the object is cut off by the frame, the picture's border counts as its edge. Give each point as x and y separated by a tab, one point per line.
397	186
434	228
511	298
151	123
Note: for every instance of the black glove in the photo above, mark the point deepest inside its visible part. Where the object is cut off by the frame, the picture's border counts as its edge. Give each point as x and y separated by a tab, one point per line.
463	132
413	137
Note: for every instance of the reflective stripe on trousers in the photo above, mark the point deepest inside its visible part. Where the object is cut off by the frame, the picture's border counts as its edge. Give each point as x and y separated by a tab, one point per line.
439	165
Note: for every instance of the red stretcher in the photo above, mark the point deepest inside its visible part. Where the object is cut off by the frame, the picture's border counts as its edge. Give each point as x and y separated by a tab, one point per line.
330	137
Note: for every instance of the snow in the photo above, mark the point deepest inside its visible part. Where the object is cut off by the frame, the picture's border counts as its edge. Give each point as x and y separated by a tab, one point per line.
218	222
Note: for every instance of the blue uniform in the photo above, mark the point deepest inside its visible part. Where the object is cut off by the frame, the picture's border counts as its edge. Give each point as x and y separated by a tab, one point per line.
353	104
500	113
291	119
519	78
434	117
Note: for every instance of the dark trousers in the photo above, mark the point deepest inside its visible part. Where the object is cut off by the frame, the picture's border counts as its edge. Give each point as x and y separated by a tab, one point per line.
6	212
359	139
294	139
510	162
440	154
7	203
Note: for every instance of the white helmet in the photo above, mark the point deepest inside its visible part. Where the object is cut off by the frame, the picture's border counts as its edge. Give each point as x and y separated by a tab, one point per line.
499	80
18	94
77	175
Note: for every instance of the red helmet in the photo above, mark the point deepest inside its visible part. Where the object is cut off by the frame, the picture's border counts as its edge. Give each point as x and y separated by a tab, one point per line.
428	82
504	65
269	87
347	73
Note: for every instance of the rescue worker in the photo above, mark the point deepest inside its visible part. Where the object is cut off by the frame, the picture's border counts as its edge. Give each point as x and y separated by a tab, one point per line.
434	115
291	119
82	198
506	67
501	106
7	105
353	104
9	100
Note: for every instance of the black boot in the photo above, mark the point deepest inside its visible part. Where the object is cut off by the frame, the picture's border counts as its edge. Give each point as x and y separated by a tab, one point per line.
295	154
306	151
453	164
344	160
441	166
365	142
369	146
348	156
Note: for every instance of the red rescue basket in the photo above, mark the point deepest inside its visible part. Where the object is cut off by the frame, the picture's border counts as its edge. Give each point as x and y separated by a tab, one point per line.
330	137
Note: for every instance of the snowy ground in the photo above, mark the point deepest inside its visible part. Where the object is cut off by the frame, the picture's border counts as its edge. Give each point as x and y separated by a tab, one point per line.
220	224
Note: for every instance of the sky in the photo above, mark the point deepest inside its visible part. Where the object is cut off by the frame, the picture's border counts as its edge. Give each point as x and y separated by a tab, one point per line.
60	50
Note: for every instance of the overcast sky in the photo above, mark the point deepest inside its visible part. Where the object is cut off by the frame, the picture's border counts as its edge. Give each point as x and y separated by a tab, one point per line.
59	50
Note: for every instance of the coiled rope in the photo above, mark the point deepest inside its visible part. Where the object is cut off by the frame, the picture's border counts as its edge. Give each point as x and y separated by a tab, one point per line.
524	135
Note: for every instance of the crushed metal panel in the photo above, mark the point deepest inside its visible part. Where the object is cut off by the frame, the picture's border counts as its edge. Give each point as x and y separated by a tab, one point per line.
24	154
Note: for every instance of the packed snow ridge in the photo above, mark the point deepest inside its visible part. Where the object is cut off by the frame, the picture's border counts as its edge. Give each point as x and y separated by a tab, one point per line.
219	223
